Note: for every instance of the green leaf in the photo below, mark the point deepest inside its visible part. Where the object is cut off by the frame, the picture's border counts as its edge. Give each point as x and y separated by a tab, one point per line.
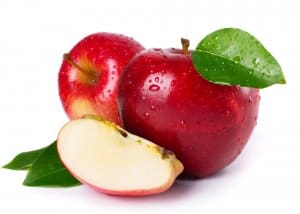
232	56
48	170
24	160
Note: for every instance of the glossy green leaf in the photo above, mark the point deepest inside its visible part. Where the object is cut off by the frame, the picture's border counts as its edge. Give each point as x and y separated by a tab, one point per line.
48	170
24	160
232	56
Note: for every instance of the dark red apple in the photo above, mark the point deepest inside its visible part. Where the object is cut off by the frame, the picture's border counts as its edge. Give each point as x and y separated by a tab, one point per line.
89	75
164	99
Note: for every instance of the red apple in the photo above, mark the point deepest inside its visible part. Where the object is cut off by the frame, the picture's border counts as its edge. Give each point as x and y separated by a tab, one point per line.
89	75
164	99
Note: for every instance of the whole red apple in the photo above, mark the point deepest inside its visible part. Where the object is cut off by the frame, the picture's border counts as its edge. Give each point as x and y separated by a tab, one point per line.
90	72
164	99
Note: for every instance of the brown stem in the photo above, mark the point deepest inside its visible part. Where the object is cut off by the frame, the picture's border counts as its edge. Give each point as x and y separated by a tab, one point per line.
91	75
185	45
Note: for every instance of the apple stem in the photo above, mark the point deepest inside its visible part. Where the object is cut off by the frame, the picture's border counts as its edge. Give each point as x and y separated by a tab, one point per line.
92	75
185	45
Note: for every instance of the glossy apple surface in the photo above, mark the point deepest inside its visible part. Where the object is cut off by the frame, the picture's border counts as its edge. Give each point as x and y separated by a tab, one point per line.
89	75
164	99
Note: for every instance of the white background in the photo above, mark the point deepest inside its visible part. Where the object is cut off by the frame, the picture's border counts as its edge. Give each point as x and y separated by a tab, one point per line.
34	35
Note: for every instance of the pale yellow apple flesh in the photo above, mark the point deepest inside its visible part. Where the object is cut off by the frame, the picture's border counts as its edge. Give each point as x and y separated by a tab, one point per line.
108	158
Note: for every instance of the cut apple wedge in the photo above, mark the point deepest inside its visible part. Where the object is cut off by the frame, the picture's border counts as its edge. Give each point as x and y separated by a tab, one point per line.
111	160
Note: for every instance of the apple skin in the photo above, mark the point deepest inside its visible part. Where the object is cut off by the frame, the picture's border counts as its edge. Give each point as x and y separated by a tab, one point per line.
164	99
102	57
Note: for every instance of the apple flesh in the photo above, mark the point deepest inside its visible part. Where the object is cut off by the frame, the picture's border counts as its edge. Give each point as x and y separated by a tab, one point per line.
111	160
90	72
164	99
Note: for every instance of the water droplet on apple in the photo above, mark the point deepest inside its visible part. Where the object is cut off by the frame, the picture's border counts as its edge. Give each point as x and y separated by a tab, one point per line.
227	113
156	79
154	88
183	123
153	108
189	148
147	115
130	82
250	100
172	82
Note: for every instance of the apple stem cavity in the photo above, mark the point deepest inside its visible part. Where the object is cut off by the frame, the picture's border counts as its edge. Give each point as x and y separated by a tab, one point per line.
185	45
91	76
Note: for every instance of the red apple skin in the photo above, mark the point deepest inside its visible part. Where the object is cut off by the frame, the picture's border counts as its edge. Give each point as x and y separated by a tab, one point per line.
104	54
164	99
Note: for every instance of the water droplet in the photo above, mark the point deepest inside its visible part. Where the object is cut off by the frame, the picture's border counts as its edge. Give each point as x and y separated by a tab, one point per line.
153	108
256	61
147	115
189	148
250	100
183	123
172	82
143	97
216	38
237	59
227	113
154	88
156	79
130	82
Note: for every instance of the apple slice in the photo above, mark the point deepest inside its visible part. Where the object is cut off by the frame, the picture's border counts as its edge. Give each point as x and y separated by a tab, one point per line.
111	160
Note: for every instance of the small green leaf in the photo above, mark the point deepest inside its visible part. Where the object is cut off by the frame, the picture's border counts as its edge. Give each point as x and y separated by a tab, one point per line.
232	56
24	160
48	170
